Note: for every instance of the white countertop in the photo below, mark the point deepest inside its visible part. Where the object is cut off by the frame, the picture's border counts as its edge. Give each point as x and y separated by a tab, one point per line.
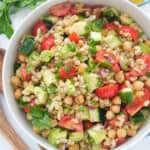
4	42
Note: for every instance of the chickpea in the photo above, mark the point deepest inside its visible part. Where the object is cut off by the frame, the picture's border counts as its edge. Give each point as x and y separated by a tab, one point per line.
111	133
139	94
127	45
138	85
115	108
68	100
121	133
147	82
120	77
45	133
36	130
21	57
109	115
81	69
147	43
116	100
99	48
15	81
74	147
18	93
131	132
79	99
18	73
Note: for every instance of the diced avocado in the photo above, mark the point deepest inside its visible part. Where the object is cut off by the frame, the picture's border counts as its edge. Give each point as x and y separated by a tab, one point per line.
145	48
113	41
56	135
48	77
125	19
96	36
111	14
97	134
46	56
126	95
33	59
96	147
91	81
83	113
94	115
41	95
76	136
79	27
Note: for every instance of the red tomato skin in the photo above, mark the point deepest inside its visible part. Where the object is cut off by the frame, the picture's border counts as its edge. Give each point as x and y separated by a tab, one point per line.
133	32
64	74
68	122
107	91
26	76
100	56
88	124
147	93
47	43
74	37
120	141
110	26
27	107
39	25
133	73
113	123
135	106
61	10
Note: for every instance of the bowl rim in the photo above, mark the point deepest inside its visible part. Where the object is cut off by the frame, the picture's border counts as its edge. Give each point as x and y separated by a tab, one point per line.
34	138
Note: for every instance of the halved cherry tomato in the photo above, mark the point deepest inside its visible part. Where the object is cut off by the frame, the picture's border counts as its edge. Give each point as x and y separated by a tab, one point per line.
120	141
113	122
47	43
135	106
88	124
67	71
107	56
134	73
61	10
27	107
74	37
107	91
69	122
133	32
26	76
104	146
147	93
110	26
39	25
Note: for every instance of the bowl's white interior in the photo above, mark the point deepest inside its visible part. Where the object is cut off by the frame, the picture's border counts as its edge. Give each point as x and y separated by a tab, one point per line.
15	112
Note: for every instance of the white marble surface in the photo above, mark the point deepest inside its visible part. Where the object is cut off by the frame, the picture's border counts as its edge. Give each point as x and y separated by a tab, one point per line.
4	42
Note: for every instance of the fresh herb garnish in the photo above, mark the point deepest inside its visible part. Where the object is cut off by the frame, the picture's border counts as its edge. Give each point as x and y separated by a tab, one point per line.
8	7
27	46
67	68
138	118
51	89
72	46
80	56
16	66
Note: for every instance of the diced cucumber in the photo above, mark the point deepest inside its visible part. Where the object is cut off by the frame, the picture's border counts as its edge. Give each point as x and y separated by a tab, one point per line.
94	115
48	77
83	113
46	56
126	95
97	134
76	136
70	88
113	41
49	19
96	36
91	81
56	135
79	28
111	14
125	19
41	95
145	48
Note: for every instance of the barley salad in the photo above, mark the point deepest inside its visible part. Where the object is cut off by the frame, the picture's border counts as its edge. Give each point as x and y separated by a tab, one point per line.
82	77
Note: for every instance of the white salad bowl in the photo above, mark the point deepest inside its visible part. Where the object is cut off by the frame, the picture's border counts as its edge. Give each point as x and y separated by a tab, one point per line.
12	106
